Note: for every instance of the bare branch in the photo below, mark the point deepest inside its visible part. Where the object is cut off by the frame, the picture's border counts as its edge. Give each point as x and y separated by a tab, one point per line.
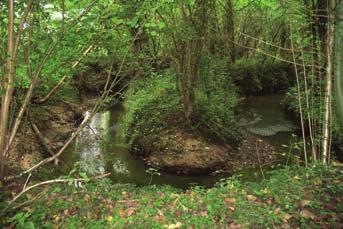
25	190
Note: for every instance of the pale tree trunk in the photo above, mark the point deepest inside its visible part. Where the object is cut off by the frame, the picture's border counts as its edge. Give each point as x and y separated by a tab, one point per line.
328	89
7	86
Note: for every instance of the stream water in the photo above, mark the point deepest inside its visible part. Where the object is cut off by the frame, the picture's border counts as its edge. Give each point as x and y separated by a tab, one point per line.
101	148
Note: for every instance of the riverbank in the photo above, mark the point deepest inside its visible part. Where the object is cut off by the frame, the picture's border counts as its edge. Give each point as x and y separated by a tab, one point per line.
45	129
157	131
294	197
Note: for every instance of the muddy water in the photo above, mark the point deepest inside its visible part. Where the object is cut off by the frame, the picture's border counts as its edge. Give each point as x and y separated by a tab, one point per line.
101	148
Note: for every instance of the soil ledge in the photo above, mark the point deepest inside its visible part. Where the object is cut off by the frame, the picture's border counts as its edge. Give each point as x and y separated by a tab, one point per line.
177	151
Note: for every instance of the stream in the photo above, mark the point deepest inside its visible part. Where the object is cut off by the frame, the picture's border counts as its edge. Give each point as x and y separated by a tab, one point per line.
101	148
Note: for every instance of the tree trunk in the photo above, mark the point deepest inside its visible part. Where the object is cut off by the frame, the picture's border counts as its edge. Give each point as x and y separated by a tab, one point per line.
7	86
338	61
321	23
328	90
188	55
230	31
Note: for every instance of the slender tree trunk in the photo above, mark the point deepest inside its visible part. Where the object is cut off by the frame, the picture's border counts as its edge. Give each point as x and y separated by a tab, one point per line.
7	86
338	61
328	90
188	55
230	31
299	103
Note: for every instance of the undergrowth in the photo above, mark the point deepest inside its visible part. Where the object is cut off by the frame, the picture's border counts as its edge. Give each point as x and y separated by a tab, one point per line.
294	197
256	76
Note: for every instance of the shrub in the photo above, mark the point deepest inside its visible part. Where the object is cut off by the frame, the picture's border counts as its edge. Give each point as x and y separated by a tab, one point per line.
153	106
255	76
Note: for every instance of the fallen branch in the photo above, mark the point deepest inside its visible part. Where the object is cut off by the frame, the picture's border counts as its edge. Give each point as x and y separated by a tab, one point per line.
45	143
27	180
57	181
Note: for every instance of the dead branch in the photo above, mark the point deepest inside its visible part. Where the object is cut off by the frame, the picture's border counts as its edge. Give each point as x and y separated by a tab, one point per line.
57	181
54	89
27	180
272	56
45	142
273	45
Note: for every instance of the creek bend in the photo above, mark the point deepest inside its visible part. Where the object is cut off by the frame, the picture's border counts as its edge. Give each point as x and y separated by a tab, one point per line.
101	147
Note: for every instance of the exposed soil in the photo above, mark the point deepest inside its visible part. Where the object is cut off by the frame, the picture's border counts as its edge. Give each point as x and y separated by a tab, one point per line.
55	121
181	152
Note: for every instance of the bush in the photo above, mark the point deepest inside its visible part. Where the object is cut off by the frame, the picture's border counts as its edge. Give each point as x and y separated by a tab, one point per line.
153	106
149	104
216	98
256	77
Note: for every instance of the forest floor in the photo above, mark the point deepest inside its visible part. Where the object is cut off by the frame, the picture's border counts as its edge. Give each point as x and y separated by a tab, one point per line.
294	197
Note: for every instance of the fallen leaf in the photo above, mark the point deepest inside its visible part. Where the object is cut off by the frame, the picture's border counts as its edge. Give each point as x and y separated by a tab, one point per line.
87	198
285	226
173	195
251	198
337	164
173	226
234	226
304	203
108	207
270	201
230	200
286	217
203	213
177	213
66	211
159	218
232	208
130	212
122	213
27	209
307	214
184	208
